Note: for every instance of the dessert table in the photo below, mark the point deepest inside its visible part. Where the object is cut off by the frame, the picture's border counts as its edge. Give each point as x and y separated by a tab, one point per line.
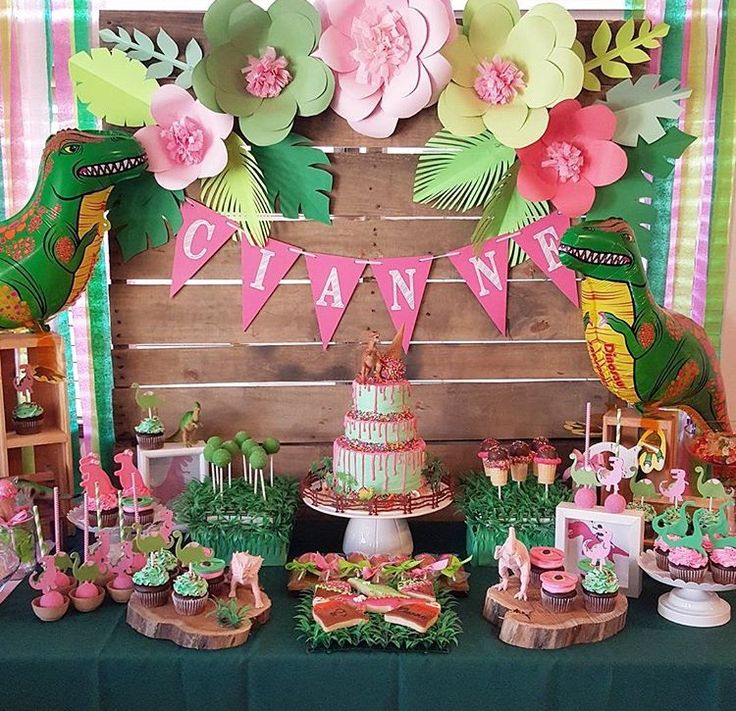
95	661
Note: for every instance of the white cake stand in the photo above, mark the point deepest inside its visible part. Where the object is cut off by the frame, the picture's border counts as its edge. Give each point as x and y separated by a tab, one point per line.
691	604
76	516
383	533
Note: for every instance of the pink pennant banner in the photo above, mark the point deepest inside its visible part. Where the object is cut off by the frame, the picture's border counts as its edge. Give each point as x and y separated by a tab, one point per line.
262	268
401	281
333	280
485	271
202	233
541	241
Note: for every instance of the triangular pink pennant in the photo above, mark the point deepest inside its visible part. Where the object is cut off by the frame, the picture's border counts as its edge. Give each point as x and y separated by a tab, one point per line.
485	271
540	241
333	280
262	268
401	281
202	233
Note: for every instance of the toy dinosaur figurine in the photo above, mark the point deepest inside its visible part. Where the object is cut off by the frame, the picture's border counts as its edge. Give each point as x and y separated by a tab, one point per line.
49	249
189	423
377	365
644	354
513	557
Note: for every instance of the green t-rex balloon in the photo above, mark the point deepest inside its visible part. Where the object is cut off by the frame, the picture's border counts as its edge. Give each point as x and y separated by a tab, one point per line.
644	354
49	249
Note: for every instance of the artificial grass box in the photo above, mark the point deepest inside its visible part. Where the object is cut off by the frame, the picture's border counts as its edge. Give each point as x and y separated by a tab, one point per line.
527	506
239	519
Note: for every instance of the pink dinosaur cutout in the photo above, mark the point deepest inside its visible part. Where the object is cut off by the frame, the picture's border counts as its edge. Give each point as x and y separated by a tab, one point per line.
127	473
578	529
100	556
611	479
45	581
675	489
92	472
599	549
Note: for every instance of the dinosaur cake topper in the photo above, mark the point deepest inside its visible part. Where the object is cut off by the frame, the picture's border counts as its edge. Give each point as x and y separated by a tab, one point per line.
377	366
644	354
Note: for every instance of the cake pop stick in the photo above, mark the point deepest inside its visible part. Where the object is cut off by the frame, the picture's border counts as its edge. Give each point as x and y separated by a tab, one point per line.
222	480
618	429
97	506
263	485
86	528
121	517
587	435
57	522
213	474
136	516
39	532
229	475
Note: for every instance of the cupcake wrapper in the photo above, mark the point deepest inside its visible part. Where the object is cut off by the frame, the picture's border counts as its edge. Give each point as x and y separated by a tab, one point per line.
150	441
519	472
661	559
557	604
218	589
144	517
599	603
153	598
28	426
535	574
109	519
189	606
546	473
689	575
723	576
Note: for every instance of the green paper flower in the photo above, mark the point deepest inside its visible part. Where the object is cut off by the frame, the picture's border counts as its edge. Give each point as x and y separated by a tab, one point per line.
508	69
260	68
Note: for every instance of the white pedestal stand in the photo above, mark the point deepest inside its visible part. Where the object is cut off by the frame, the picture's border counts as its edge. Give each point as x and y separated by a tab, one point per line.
384	533
691	604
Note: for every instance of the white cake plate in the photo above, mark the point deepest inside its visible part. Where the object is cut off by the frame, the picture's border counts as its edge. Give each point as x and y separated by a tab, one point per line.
384	533
691	604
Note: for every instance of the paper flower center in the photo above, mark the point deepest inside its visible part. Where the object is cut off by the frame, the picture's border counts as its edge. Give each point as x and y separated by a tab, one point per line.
382	44
267	75
184	141
566	160
498	81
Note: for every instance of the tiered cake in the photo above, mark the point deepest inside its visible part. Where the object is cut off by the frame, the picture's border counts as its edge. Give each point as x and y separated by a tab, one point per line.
380	451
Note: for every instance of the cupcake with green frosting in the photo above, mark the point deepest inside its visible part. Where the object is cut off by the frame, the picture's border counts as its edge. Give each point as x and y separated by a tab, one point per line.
190	593
150	433
600	589
213	571
165	559
27	418
152	585
146	513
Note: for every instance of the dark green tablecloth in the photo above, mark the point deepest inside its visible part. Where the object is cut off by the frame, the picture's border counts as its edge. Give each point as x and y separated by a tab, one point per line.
97	662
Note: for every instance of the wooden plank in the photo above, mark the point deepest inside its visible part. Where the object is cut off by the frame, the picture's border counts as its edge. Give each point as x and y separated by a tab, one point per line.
363	238
328	129
302	414
211	314
232	364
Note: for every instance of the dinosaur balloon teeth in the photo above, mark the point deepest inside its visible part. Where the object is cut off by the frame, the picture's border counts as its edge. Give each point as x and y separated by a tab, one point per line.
592	257
111	168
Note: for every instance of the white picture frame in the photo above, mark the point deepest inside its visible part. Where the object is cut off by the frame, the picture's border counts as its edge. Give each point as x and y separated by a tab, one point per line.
574	525
168	470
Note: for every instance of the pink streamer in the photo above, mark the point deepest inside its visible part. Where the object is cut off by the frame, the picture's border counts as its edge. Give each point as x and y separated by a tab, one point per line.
700	277
83	370
62	15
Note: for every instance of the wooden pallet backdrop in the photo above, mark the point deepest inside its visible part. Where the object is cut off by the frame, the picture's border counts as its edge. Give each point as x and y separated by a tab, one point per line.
471	382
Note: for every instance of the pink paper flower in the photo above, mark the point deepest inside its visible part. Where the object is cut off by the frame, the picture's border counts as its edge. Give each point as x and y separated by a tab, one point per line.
573	157
187	141
386	58
498	81
267	75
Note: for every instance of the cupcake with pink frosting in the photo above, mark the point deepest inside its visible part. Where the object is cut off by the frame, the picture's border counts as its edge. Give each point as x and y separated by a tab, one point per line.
8	492
687	564
544	559
662	551
558	590
723	565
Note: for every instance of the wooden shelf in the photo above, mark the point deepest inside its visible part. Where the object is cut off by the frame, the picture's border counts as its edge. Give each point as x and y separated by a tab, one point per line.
50	435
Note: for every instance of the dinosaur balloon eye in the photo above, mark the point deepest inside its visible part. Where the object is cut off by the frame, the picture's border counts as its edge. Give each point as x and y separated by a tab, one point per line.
70	148
627	236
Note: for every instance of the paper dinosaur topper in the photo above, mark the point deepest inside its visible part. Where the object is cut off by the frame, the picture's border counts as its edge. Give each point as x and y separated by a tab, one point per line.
644	354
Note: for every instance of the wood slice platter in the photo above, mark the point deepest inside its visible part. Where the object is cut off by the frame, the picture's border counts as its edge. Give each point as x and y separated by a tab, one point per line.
198	631
530	625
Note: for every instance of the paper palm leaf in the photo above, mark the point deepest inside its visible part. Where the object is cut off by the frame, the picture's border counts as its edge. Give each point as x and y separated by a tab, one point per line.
460	173
239	191
113	86
639	106
506	211
295	179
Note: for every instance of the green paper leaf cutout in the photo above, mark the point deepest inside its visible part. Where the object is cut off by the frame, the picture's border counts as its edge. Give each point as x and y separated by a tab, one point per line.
113	86
624	197
460	172
626	49
639	106
294	177
239	191
165	52
143	214
506	210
